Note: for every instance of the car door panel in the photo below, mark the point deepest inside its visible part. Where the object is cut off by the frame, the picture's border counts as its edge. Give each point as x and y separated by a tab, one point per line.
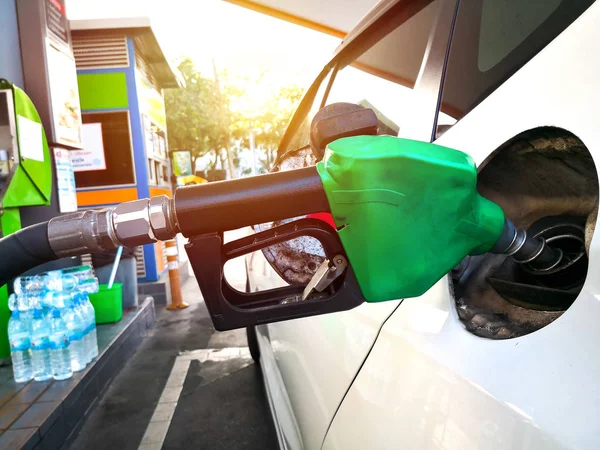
284	419
318	358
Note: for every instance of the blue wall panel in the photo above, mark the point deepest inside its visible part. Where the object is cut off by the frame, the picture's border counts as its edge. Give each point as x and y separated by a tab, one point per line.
11	67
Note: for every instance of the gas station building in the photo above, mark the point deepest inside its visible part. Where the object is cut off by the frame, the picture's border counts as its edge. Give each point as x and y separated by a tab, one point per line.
95	88
121	72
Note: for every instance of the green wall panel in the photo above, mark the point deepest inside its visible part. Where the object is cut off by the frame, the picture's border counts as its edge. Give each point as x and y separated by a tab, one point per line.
102	90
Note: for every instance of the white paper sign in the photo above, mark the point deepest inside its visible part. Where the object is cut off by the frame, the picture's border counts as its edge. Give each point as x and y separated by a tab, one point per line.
64	93
30	139
65	181
92	156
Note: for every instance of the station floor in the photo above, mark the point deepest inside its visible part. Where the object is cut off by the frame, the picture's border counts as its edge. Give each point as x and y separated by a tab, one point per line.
187	387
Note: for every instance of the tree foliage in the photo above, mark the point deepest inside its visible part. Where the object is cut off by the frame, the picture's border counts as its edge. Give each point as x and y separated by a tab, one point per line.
187	109
271	121
200	117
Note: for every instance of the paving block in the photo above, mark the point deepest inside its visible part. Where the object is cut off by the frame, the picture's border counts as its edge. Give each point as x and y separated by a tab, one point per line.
58	391
23	439
9	389
10	412
42	415
32	391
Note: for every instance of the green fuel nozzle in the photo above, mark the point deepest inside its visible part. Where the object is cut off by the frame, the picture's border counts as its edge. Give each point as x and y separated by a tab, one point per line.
407	212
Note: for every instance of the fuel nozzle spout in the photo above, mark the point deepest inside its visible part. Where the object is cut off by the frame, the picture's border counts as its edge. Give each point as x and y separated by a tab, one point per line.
526	249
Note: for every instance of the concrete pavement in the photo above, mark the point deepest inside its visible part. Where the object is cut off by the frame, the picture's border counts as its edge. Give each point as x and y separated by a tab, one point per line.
187	386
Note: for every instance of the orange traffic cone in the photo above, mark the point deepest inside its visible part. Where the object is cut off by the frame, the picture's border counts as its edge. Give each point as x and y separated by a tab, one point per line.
174	279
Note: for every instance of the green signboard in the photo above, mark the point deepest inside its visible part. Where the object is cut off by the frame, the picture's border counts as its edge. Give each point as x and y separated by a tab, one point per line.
182	163
26	175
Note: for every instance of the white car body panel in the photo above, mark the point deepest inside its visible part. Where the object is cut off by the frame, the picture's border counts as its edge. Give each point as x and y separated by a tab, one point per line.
430	384
318	357
286	427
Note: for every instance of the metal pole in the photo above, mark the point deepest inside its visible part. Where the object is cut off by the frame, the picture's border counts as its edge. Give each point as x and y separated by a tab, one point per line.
174	279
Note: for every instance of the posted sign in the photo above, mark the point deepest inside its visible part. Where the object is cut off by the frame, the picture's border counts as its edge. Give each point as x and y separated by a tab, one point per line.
56	20
182	163
65	180
92	156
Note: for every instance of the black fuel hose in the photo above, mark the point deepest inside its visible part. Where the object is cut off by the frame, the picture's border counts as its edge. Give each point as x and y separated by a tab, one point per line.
207	208
24	250
232	204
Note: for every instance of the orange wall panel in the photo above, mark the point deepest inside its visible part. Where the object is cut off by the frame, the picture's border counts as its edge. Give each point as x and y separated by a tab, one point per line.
154	191
106	196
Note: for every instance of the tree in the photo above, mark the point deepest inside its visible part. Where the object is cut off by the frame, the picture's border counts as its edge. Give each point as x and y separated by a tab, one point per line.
274	120
267	122
195	119
200	117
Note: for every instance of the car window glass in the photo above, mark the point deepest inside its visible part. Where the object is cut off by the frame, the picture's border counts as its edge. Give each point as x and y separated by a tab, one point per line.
301	137
492	39
381	76
505	24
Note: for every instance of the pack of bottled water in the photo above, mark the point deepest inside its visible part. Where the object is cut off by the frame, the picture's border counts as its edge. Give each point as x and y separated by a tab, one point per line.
52	329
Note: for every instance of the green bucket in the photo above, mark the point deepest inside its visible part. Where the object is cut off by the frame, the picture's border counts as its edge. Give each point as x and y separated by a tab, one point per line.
108	303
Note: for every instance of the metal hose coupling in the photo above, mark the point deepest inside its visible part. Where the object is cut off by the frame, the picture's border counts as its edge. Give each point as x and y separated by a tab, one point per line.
526	249
129	224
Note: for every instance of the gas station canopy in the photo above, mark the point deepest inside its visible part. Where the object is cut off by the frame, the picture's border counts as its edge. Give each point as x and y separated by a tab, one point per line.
334	17
347	19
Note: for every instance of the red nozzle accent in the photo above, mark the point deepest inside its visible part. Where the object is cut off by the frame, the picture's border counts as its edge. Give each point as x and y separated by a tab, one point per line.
325	217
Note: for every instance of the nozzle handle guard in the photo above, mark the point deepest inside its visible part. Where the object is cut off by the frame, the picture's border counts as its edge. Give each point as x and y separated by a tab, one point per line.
230	308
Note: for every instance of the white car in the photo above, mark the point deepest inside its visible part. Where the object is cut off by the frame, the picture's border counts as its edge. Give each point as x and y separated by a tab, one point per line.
490	357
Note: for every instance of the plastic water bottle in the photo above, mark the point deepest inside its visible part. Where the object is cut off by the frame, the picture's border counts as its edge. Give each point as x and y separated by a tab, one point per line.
79	272
93	331
57	281
77	282
86	329
82	313
87	284
89	317
18	303
61	295
20	347
75	326
30	285
30	293
13	304
40	346
60	351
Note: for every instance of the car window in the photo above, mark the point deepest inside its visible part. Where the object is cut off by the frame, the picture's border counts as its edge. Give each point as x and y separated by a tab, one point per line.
301	137
380	77
492	39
